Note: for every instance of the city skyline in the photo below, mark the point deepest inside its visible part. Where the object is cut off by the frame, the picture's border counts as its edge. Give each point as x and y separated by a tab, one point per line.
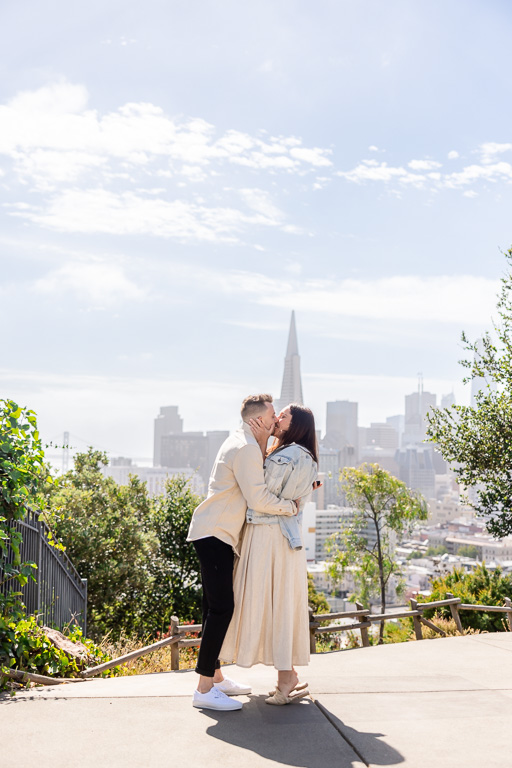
175	179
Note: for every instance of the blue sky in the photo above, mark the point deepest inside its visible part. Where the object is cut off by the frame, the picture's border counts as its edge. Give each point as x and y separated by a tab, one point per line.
176	177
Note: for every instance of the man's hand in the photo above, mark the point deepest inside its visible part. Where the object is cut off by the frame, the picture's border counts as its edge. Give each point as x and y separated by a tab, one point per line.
317	484
261	433
296	502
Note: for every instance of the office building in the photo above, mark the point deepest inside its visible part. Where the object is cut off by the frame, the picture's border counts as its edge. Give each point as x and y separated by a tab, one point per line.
416	469
417	405
174	448
341	426
167	422
291	387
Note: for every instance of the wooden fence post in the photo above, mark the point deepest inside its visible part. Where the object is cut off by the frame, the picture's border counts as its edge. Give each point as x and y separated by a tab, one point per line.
416	620
175	648
312	633
364	630
454	608
508	603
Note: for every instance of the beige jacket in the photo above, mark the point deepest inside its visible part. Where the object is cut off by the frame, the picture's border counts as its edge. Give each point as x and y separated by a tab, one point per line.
236	482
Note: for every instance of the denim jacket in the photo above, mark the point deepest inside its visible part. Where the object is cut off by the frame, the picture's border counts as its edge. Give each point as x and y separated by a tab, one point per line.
289	473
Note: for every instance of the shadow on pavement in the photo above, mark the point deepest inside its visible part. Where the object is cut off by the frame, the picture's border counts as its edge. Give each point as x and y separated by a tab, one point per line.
298	735
368	746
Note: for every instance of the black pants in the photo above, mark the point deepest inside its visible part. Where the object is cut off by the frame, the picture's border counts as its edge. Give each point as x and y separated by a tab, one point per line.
216	558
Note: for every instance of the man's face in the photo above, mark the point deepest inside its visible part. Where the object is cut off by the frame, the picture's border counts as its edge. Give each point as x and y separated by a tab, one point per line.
269	417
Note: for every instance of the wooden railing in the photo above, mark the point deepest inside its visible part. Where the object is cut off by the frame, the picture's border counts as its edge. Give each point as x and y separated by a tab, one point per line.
364	620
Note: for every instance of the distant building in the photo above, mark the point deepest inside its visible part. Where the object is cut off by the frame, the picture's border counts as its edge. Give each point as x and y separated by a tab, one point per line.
155	477
330	462
378	445
416	469
167	422
417	405
192	450
174	448
448	400
291	387
398	423
341	428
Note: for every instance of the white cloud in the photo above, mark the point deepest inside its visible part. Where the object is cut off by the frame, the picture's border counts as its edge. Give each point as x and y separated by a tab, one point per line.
315	156
373	148
424	165
473	173
97	282
55	119
462	299
258	200
99	210
370	170
453	154
491	149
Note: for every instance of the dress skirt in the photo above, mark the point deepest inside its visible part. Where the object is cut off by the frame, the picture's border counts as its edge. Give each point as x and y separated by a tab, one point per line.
270	623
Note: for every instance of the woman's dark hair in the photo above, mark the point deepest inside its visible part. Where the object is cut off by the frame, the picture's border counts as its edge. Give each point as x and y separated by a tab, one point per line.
301	430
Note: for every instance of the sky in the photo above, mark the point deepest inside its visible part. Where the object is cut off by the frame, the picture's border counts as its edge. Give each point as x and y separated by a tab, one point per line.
176	177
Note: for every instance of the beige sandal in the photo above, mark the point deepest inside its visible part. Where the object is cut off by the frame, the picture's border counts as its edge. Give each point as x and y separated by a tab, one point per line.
279	698
298	687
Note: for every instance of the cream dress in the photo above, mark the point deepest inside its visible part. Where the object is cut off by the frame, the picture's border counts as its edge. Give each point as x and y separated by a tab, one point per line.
270	623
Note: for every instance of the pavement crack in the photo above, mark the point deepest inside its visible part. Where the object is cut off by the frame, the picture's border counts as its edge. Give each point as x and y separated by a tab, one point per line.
325	712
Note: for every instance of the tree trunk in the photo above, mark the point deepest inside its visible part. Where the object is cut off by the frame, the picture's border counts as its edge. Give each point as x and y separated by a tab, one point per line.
381	580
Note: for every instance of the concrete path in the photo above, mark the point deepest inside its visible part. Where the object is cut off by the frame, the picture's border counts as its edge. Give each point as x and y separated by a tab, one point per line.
444	703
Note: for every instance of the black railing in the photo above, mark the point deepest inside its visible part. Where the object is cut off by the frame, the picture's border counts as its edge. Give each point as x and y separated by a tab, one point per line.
59	595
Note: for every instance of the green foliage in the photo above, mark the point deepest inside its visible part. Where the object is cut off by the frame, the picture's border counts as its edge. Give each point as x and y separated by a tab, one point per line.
106	529
175	568
316	600
382	506
468	550
477	441
23	477
436	551
415	555
132	548
480	587
25	646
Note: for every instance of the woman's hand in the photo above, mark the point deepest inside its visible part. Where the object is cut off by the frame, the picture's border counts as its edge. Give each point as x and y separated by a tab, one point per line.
261	433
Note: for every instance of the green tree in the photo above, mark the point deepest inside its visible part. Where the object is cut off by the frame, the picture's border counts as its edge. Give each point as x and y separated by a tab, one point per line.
175	569
107	530
477	441
316	600
437	551
468	550
383	508
479	587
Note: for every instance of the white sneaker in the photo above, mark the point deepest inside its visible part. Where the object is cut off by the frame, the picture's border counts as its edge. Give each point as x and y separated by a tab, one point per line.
215	699
232	688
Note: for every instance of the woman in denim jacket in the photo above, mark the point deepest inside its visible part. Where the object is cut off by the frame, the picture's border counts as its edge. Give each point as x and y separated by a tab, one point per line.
270	621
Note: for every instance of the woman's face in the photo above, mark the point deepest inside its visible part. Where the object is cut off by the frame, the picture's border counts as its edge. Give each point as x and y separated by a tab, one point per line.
284	420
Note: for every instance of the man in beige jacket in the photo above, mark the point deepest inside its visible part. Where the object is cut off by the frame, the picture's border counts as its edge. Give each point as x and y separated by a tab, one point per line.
236	482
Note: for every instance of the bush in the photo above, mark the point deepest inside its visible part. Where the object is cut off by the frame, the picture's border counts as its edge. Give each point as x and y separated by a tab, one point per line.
24	646
480	587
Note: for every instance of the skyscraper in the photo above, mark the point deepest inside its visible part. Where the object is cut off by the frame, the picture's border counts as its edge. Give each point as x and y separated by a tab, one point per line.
168	422
341	425
291	388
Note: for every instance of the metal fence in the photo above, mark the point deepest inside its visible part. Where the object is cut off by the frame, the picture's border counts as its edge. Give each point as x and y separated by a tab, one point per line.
58	595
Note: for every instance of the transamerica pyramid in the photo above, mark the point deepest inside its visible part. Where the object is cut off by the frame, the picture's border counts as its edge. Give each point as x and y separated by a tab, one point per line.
291	388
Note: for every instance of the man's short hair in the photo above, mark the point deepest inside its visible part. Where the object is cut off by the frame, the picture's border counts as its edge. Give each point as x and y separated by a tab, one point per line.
254	405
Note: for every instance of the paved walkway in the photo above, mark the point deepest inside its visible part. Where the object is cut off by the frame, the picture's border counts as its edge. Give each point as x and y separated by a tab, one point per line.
444	703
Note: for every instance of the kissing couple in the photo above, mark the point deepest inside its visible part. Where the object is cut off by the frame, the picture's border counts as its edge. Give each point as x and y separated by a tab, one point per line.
255	610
